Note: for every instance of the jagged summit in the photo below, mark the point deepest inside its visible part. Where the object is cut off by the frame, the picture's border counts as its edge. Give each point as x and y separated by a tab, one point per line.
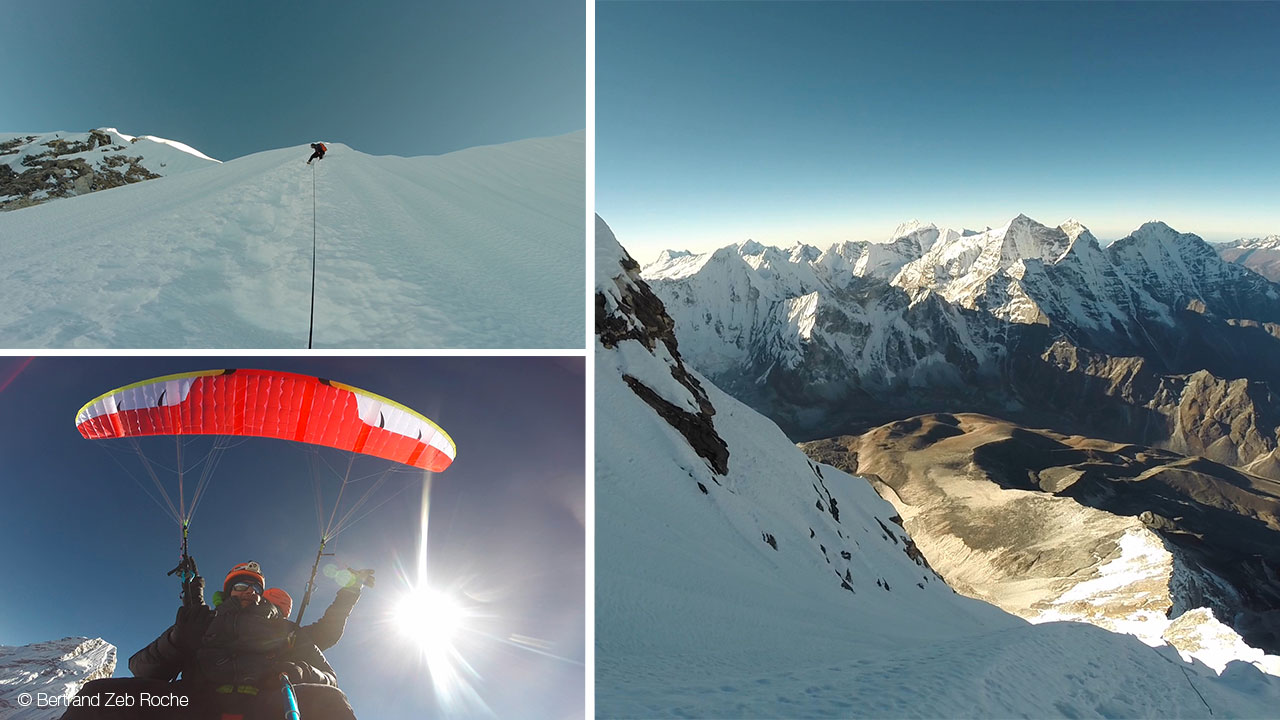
909	227
1270	242
668	255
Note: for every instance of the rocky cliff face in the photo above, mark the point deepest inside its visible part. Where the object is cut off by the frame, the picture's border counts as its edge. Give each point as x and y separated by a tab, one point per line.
37	679
36	168
626	309
1056	527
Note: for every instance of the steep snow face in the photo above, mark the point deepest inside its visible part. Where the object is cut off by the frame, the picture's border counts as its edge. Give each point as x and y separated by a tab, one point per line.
1180	269
480	248
988	271
748	581
50	673
763	309
35	168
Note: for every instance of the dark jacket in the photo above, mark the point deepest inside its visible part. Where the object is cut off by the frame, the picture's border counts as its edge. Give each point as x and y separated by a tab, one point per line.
325	632
239	646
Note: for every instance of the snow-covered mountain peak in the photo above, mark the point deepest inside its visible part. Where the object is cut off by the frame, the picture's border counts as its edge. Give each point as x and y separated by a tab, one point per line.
750	247
1026	239
1073	228
55	670
1155	229
667	256
801	253
909	227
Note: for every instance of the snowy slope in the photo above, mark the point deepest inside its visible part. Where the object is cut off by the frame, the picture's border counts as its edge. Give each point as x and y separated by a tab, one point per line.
36	679
1261	255
736	579
477	248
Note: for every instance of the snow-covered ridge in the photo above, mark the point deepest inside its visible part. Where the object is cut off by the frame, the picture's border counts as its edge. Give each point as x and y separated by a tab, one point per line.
761	586
479	248
56	669
1270	242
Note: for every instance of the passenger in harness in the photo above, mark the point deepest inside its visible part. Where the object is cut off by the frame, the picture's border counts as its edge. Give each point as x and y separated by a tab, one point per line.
232	661
320	150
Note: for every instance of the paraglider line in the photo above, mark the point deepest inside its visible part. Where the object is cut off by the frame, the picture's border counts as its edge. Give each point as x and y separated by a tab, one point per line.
311	326
343	523
339	500
182	494
136	481
211	461
173	511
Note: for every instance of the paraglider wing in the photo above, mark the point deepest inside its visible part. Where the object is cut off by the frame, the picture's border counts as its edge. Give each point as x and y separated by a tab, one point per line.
267	403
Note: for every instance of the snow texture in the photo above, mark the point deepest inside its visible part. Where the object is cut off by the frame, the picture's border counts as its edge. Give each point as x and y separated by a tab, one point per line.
55	670
755	595
480	248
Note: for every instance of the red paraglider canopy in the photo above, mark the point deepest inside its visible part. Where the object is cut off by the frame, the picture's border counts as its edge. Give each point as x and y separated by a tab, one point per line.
272	404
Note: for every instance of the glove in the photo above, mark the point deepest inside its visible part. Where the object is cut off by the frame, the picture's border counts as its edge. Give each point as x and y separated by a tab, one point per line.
189	627
359	579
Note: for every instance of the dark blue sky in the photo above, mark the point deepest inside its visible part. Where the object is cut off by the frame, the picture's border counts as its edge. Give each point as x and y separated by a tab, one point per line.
419	77
89	550
821	122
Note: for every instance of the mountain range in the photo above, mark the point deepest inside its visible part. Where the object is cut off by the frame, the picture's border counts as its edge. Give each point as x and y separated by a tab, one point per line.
1153	339
738	577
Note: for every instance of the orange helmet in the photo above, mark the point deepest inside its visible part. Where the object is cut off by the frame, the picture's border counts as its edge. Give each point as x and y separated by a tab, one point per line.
250	570
280	599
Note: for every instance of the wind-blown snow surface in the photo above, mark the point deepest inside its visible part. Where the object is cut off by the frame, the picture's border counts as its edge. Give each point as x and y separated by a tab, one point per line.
479	248
699	615
50	673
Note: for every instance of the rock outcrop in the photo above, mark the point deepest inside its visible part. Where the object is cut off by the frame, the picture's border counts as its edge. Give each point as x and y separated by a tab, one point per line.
38	168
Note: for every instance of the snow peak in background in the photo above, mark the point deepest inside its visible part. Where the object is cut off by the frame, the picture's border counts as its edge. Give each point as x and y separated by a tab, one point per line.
55	669
38	168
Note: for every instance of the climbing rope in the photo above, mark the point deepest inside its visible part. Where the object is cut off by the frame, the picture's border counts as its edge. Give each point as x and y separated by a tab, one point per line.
311	326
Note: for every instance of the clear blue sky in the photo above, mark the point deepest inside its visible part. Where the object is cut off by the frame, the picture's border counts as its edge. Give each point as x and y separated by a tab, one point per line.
88	552
417	77
820	122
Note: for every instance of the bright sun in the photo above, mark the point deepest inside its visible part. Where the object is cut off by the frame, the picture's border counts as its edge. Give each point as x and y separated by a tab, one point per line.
430	618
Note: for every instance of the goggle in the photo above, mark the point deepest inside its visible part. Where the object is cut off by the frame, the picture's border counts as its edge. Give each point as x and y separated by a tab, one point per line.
242	586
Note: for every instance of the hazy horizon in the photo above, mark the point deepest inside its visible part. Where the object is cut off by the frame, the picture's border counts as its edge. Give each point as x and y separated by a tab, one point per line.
231	79
825	122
